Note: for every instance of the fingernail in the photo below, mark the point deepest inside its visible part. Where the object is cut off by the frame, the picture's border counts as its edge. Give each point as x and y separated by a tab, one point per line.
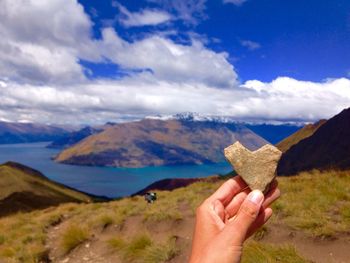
256	197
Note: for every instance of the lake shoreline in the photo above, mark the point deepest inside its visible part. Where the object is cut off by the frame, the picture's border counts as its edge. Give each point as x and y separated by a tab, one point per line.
113	182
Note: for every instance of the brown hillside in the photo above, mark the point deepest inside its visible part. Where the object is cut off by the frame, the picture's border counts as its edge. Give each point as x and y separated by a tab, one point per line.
24	189
156	142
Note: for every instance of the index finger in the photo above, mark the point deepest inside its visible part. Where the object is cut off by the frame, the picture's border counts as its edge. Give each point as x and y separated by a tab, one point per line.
228	190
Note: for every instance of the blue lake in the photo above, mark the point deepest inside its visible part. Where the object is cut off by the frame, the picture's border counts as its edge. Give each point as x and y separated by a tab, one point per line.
111	182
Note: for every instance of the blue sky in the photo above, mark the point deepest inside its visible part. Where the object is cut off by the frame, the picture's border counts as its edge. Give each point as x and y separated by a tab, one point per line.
307	40
84	61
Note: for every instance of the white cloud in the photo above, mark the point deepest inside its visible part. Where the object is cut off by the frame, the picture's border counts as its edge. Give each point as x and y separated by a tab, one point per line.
39	40
41	78
286	98
283	99
49	53
235	2
190	11
251	45
145	17
170	61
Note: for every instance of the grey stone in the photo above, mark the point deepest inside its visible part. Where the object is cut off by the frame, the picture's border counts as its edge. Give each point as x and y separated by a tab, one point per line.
257	168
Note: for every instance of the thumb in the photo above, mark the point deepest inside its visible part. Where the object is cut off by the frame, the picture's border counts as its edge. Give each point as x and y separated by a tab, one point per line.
246	216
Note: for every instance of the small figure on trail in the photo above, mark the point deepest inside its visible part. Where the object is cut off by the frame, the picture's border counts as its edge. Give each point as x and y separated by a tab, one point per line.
151	197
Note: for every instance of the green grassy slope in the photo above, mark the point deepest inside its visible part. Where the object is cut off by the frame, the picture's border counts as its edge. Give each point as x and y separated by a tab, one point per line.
313	205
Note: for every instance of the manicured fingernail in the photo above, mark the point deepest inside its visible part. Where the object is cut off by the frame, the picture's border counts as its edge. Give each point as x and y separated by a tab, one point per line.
256	197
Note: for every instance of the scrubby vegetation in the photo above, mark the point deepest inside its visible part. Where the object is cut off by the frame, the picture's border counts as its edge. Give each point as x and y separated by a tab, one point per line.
73	236
315	203
258	252
142	248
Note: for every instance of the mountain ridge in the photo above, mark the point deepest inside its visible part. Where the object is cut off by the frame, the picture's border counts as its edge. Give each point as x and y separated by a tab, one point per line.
306	131
327	148
73	137
152	142
26	189
12	132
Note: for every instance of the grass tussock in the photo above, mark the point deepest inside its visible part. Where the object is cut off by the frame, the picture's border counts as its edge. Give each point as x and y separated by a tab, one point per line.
142	248
255	252
315	202
162	252
23	236
2	240
106	220
260	233
72	237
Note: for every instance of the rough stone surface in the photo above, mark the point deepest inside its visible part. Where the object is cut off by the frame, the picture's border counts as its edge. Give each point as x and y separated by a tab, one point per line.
257	168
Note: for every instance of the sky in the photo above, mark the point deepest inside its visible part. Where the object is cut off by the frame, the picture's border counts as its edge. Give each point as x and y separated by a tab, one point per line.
89	62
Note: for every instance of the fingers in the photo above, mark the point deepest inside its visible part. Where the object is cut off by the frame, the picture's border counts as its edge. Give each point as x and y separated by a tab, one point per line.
233	207
238	228
228	190
219	209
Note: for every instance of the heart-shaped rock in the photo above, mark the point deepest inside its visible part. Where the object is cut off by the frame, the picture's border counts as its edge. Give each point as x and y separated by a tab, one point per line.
257	168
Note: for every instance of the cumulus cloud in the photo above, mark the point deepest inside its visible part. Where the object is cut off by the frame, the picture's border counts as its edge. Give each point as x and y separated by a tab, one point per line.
42	80
39	40
41	53
284	99
145	17
251	45
170	61
235	2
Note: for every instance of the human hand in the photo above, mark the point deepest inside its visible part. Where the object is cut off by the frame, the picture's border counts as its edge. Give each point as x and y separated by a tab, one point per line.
227	218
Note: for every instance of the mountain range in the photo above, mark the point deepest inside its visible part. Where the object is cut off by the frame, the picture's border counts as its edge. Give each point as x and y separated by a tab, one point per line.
76	136
29	132
153	142
73	137
327	148
273	133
